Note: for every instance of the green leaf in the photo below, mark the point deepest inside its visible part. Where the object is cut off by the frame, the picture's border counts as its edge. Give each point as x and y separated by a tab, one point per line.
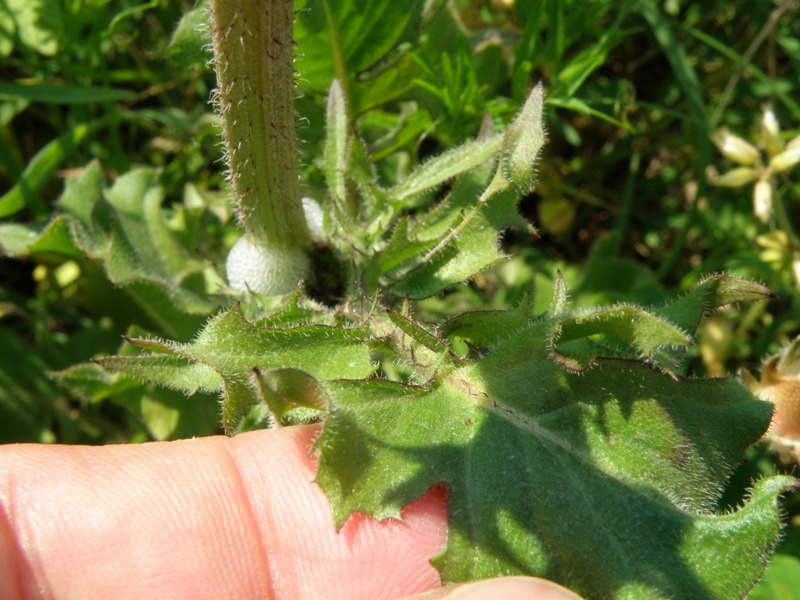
465	229
619	332
41	167
91	383
124	227
488	327
285	391
189	46
566	483
91	221
714	292
336	143
229	350
446	166
400	248
353	41
605	480
167	414
522	141
467	223
176	372
23	240
418	333
458	257
142	249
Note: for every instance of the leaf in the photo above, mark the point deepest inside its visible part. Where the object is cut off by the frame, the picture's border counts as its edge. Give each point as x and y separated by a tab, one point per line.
91	383
581	338
488	327
286	391
522	141
168	415
91	221
605	481
418	333
347	38
467	224
189	46
400	248
446	166
142	249
714	292
23	240
454	260
41	167
224	355
336	143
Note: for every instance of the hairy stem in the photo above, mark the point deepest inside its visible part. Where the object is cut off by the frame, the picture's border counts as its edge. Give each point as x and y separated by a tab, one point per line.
253	46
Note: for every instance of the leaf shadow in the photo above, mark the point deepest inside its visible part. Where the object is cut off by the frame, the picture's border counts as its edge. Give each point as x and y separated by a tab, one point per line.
607	493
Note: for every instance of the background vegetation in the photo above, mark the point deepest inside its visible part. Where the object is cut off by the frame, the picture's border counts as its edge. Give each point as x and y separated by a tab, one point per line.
623	207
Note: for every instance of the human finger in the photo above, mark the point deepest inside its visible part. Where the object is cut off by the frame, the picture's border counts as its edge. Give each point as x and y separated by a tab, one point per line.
205	518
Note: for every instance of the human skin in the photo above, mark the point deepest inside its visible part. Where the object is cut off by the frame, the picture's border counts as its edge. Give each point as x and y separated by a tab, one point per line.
213	518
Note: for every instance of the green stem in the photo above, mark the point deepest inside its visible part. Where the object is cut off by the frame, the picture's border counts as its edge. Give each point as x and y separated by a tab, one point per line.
253	57
782	218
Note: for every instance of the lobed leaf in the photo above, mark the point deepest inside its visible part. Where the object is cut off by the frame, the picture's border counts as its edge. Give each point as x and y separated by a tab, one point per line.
604	481
714	292
226	353
621	332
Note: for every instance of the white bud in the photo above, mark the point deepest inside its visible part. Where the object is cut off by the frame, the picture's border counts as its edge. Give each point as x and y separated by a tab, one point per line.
793	143
266	271
796	270
785	160
771	133
735	148
735	177
762	200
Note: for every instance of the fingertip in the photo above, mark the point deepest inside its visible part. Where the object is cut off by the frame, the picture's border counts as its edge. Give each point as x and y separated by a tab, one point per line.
507	588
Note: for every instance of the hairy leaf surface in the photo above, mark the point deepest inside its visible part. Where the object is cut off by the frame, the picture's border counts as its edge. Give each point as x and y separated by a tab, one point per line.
604	479
229	351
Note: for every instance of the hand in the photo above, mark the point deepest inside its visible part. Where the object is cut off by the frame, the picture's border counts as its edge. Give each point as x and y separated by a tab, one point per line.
209	518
